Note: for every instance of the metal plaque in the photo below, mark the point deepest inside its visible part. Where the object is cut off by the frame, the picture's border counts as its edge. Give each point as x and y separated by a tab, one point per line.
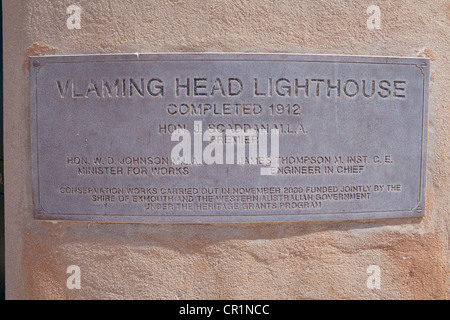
227	137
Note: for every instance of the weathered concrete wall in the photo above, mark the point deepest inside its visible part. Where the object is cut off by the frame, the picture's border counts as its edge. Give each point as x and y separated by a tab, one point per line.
315	260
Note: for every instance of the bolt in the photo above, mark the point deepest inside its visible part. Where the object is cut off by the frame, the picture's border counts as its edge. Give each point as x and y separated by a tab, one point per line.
36	63
419	209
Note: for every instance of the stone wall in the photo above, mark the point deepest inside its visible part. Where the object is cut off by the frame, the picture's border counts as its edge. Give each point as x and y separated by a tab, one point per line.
304	260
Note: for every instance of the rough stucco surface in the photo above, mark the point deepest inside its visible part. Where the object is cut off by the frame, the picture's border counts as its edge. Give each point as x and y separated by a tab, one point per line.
314	260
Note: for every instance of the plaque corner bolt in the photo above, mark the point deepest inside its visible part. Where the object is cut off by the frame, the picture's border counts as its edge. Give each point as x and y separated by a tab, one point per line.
36	63
40	213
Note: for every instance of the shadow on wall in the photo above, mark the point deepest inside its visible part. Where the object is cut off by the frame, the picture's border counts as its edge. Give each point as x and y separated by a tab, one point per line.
195	237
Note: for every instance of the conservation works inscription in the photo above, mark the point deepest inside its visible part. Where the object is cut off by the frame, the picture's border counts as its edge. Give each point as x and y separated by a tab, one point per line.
227	137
